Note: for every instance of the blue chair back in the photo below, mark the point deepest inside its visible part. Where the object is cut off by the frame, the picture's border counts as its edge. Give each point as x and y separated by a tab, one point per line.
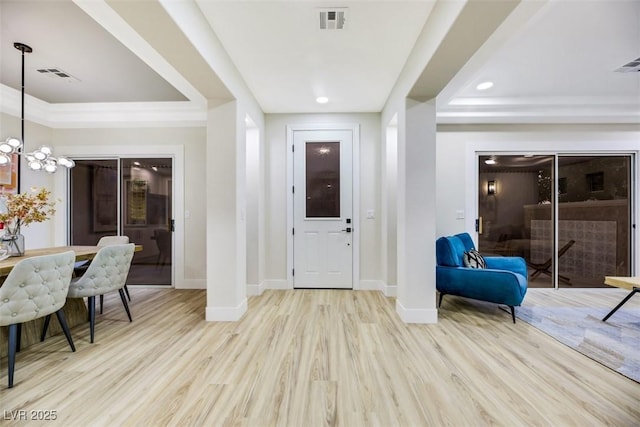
450	249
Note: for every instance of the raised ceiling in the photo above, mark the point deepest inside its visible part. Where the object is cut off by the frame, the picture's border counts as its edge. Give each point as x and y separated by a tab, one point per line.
563	55
64	37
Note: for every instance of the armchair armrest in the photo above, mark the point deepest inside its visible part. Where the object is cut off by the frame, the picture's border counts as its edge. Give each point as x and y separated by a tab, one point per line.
514	264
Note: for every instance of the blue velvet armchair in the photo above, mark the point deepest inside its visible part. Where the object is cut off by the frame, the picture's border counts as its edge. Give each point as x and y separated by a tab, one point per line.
504	281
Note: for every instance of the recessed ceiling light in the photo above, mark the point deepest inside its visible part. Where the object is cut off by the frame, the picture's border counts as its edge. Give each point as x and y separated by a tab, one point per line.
490	162
322	100
484	86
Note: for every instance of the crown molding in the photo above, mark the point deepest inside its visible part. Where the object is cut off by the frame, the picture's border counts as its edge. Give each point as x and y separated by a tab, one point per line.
114	114
576	109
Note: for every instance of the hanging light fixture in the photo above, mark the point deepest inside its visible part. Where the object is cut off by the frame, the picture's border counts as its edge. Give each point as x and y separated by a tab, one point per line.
40	159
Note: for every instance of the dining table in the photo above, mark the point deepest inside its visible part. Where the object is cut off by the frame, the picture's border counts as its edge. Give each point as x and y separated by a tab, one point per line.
75	309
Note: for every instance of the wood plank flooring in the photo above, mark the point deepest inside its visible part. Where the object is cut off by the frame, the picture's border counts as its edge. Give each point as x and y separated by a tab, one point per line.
316	357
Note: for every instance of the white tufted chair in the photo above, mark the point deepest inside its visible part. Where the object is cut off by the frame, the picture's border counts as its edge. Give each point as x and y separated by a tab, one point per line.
36	287
81	266
107	272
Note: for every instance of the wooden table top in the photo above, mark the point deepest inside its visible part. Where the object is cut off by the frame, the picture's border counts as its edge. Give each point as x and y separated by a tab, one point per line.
623	282
82	253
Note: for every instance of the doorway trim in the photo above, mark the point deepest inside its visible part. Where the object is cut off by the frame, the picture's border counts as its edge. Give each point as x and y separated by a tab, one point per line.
355	170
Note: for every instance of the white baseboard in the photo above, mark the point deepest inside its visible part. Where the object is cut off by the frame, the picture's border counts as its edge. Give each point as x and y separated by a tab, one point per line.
389	290
255	289
370	285
192	284
226	314
412	315
280	284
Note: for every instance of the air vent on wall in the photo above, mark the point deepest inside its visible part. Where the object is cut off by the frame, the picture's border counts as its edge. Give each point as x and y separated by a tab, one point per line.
333	18
57	73
630	67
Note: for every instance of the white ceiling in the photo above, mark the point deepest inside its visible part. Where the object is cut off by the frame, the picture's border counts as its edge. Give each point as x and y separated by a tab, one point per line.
563	56
62	36
287	61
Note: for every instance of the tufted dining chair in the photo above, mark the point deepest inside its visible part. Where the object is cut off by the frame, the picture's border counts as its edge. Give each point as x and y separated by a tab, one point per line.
107	272
81	266
36	287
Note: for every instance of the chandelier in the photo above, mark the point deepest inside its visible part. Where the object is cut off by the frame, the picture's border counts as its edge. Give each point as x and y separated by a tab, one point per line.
40	159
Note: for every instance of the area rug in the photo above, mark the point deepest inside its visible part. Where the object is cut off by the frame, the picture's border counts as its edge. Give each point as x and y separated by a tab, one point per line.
614	343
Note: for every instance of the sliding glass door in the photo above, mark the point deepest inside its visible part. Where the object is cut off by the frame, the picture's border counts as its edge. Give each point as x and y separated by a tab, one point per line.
516	211
568	216
594	216
127	196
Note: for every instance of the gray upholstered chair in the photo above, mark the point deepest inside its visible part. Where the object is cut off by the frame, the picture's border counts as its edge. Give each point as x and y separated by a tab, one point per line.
107	272
36	287
81	266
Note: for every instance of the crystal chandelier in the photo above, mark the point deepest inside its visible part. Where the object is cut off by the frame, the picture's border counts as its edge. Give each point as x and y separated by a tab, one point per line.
40	159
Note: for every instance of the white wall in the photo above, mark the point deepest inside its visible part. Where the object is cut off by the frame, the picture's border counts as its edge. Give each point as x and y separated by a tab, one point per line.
457	163
37	235
254	184
390	208
276	192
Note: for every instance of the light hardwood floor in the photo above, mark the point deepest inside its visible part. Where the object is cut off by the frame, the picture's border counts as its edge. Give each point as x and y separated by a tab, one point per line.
307	358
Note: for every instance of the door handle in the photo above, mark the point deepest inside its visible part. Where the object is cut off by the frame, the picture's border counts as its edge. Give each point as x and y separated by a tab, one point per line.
348	229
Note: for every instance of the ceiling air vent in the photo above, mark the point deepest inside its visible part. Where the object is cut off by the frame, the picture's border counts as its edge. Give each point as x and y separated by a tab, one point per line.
333	19
57	73
630	67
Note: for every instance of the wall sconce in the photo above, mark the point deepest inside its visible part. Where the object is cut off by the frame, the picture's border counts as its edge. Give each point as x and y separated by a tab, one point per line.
491	188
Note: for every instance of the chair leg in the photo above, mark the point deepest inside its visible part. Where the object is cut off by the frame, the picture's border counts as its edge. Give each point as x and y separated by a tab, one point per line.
19	338
65	328
91	303
126	290
45	326
513	313
101	302
13	337
440	301
124	302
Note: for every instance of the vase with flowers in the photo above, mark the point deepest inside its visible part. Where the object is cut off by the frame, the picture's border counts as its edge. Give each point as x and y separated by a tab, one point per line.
18	210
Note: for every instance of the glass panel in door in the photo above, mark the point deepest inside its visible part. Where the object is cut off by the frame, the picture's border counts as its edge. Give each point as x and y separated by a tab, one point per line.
594	217
516	211
146	218
94	201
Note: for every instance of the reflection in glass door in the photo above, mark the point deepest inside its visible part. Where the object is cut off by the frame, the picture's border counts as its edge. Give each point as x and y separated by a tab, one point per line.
146	218
516	211
591	238
594	215
131	197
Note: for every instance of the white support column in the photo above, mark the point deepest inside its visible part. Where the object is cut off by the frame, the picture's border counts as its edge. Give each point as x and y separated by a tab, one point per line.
416	301
226	225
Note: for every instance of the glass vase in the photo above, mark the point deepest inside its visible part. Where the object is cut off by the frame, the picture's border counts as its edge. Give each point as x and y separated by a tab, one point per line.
14	243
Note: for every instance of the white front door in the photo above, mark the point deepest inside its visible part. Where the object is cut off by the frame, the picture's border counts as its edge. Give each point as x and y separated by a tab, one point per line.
322	201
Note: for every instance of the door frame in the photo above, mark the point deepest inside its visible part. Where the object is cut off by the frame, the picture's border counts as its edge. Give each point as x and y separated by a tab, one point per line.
355	194
176	152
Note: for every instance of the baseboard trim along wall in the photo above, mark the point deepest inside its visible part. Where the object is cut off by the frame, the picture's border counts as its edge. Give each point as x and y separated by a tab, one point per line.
389	290
226	314
192	284
255	289
276	284
370	285
412	315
